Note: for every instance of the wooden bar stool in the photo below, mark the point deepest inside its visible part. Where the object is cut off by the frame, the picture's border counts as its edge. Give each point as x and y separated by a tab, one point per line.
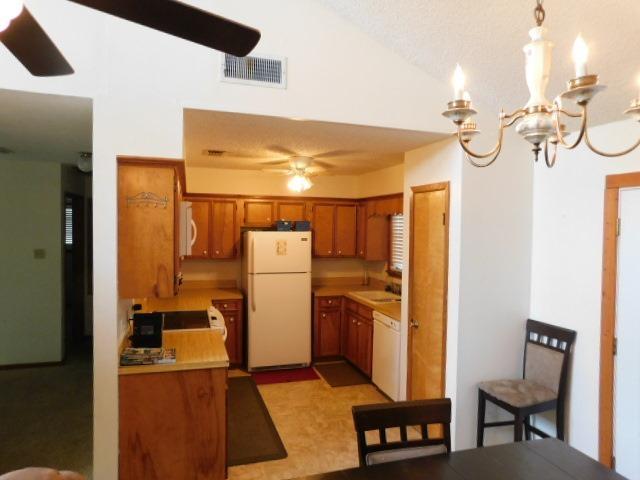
543	385
402	415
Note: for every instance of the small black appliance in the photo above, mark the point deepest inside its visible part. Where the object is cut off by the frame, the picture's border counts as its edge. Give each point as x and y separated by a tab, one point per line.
147	330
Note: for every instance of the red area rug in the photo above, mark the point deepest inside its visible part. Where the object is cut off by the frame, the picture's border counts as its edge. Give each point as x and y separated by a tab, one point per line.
284	376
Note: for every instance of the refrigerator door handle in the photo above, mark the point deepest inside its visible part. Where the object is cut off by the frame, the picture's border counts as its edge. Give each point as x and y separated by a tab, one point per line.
252	290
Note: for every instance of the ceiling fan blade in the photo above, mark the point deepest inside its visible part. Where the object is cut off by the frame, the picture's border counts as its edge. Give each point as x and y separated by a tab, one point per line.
184	21
282	150
280	171
335	153
323	165
281	161
31	45
315	170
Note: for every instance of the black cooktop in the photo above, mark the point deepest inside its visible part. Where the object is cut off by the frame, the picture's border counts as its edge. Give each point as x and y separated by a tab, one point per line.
185	320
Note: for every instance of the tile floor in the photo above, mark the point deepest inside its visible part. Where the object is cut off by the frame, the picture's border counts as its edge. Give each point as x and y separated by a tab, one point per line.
315	424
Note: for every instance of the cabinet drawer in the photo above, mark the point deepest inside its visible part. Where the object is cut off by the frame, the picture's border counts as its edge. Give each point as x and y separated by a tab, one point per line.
365	312
329	302
352	305
227	305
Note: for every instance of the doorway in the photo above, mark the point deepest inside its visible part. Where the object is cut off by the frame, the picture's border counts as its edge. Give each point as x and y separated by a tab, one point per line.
619	375
428	282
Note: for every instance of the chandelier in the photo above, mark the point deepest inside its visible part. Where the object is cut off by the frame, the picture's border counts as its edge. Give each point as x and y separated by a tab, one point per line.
539	121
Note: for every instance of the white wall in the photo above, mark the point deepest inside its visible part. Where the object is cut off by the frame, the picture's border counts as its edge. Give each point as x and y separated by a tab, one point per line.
567	263
141	80
31	327
495	270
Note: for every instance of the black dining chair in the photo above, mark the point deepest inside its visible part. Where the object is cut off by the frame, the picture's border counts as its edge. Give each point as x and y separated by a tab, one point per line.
543	385
402	415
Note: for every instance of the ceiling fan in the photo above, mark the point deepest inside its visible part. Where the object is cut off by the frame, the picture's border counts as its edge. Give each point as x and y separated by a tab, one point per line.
300	169
29	43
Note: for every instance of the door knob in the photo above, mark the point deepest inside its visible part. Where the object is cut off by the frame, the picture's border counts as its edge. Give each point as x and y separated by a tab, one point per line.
414	324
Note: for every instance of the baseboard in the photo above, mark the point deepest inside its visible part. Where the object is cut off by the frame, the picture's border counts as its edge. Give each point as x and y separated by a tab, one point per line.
16	366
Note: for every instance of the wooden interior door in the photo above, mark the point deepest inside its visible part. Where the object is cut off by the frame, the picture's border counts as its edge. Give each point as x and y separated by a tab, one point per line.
323	223
223	230
345	234
429	255
201	216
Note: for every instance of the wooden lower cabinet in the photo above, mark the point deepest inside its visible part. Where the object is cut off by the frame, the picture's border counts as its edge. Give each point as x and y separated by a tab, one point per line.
351	333
232	312
173	425
327	327
358	331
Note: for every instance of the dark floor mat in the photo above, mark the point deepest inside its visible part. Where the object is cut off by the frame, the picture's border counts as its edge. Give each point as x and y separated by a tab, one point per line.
252	435
340	374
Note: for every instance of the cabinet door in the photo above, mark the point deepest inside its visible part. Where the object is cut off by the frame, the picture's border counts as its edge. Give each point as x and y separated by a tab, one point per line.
352	338
345	235
146	231
258	213
201	216
323	223
234	337
377	240
365	346
291	211
328	332
361	230
223	230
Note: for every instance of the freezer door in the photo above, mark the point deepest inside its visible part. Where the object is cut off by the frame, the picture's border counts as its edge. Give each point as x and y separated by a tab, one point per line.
279	320
278	252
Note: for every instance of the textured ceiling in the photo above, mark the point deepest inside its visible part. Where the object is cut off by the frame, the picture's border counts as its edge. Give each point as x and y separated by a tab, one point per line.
486	37
51	128
254	142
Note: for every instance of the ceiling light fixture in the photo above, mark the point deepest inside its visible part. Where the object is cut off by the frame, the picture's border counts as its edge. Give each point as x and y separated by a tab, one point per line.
539	121
299	183
9	9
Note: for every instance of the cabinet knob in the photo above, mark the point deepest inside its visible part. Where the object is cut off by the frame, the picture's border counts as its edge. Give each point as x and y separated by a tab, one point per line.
204	252
231	319
330	302
339	252
328	251
217	252
359	323
224	305
324	315
353	321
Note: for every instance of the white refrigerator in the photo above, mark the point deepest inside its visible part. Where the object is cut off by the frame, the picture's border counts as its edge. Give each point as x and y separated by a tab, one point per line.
276	279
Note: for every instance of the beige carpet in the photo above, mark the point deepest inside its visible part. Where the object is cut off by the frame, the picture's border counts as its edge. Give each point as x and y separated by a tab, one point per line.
315	424
46	416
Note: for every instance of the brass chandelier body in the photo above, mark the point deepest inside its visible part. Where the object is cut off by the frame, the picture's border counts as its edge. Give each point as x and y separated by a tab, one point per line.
539	121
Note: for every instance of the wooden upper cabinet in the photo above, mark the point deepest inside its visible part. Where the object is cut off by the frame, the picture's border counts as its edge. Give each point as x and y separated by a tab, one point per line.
345	231
146	230
223	230
291	211
361	230
377	238
201	217
258	213
387	206
323	227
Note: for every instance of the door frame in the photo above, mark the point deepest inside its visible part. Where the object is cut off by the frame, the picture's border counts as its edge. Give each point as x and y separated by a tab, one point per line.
614	183
433	187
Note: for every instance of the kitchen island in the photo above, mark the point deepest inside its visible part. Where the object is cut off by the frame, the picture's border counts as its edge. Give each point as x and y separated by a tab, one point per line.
173	416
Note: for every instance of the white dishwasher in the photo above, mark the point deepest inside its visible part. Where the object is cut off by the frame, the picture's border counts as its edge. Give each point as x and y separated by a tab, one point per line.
386	355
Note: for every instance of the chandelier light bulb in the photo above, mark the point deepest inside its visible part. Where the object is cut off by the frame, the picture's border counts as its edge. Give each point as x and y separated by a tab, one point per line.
458	83
9	9
580	56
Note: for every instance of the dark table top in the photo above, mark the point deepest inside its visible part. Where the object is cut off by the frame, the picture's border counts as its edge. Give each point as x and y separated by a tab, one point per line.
547	459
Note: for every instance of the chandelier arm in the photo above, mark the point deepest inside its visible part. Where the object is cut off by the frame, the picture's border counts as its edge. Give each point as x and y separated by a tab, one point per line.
482	165
569	114
514	118
550	162
494	151
583	129
587	140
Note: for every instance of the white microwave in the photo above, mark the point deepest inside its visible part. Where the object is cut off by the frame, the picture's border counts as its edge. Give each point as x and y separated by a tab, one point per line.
188	229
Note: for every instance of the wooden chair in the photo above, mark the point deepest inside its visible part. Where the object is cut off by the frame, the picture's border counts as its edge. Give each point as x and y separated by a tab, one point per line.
402	415
543	385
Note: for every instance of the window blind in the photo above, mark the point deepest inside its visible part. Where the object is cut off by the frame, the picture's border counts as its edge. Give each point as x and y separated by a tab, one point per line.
68	225
397	240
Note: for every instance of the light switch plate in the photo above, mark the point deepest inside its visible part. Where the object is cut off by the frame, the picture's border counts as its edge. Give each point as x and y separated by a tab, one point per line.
39	253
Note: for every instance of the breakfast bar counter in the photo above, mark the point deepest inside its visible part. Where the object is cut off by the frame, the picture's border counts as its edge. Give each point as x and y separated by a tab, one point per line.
195	349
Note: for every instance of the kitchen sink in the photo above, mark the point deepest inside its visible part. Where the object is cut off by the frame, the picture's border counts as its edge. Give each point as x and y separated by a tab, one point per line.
377	296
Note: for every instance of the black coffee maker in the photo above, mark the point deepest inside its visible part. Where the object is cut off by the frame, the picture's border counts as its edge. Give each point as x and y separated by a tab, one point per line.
147	330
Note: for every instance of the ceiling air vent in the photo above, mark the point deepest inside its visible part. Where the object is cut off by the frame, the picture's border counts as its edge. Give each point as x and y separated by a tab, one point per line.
264	71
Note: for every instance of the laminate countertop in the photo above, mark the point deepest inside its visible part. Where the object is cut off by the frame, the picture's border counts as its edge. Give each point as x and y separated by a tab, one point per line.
195	350
189	299
389	309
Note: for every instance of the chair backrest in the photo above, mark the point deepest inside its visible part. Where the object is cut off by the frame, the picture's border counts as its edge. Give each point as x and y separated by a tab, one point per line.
546	355
402	415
